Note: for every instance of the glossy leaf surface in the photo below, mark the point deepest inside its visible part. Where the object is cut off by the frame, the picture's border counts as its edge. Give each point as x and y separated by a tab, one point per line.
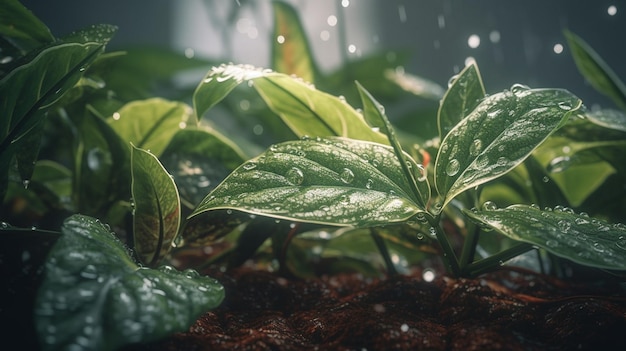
464	94
306	110
95	297
55	69
157	207
19	24
150	124
498	135
291	52
327	181
596	71
576	237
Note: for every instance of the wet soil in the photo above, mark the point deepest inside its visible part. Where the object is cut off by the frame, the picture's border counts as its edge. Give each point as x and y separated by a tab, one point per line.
506	310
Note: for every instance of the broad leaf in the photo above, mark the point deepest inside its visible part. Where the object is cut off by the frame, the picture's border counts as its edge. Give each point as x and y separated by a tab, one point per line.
199	160
57	68
150	124
95	297
415	85
327	181
291	54
596	71
607	118
22	27
157	207
306	110
576	237
498	135
415	174
465	93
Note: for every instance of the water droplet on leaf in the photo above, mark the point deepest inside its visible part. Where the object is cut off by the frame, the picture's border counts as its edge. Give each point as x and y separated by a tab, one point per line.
346	175
295	176
453	167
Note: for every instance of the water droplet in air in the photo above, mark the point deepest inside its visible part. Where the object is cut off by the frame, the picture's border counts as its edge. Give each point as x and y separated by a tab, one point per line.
26	183
346	175
295	176
453	167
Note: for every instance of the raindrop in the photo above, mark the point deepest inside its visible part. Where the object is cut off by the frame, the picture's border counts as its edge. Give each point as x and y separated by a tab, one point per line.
249	166
280	39
441	21
453	167
428	275
345	3
369	183
518	88
26	183
494	36
564	106
581	221
473	41
295	176
95	159
489	206
559	164
404	327
452	80
346	175
402	13
545	179
476	147
612	10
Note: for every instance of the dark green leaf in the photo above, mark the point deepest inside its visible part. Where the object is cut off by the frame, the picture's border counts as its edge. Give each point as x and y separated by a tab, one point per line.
304	109
95	297
464	94
596	71
157	207
22	27
151	124
199	159
327	181
498	135
576	237
291	54
415	174
57	68
607	118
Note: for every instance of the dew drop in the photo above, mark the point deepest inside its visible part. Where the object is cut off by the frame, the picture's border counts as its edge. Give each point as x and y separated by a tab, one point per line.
559	164
517	88
369	183
476	147
295	176
564	106
552	243
453	167
249	166
346	175
489	206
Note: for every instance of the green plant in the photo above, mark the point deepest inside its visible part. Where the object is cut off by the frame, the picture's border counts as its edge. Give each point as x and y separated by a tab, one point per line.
324	180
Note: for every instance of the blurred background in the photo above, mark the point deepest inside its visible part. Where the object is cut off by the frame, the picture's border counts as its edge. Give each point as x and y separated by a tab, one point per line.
512	41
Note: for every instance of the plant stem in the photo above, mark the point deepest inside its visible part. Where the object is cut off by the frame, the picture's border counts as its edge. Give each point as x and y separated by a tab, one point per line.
384	251
469	247
449	257
494	261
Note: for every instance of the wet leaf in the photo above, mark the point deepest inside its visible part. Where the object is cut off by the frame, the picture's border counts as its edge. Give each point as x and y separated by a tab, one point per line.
95	297
306	110
415	174
24	104
576	237
328	181
199	160
157	207
464	94
497	135
150	124
596	71
292	54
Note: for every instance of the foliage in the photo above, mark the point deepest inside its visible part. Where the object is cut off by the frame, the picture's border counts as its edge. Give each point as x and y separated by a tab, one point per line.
322	182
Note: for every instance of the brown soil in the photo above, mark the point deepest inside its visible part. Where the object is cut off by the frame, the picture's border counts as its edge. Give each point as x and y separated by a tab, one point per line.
506	310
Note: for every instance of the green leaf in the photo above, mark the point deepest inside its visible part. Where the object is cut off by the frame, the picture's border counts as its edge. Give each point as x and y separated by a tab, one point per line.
54	69
157	207
415	85
464	94
304	109
95	297
150	124
22	27
497	135
576	237
608	118
596	71
415	174
335	181
199	160
292	54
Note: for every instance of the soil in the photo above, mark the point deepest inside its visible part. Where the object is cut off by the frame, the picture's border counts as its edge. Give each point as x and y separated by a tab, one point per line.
510	309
